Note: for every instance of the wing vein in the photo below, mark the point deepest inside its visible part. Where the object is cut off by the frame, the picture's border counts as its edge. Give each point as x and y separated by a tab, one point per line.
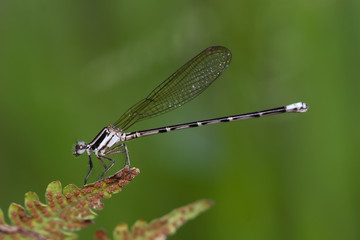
182	86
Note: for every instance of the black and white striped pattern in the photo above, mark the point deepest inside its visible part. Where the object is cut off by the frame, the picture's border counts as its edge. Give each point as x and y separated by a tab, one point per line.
296	108
184	85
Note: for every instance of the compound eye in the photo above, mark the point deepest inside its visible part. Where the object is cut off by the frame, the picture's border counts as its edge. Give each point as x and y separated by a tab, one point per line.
80	148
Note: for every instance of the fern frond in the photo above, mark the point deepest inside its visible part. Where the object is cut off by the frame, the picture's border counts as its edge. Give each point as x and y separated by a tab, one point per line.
66	210
158	228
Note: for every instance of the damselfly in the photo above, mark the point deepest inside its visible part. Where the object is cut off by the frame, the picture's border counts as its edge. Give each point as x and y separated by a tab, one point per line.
181	87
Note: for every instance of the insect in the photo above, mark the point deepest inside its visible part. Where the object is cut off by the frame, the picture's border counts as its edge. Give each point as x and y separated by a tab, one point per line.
182	86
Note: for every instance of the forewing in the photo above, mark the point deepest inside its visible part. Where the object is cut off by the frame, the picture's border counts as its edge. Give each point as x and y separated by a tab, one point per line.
181	87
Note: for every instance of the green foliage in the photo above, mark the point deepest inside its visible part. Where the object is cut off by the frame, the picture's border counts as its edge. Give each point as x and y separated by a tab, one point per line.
158	228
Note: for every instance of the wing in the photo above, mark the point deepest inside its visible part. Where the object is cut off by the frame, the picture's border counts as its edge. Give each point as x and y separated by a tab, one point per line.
181	87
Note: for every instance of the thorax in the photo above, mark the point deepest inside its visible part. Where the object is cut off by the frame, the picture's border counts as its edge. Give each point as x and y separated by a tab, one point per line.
106	138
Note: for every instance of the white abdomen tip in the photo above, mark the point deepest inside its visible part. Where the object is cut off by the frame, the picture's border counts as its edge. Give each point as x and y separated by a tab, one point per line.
299	107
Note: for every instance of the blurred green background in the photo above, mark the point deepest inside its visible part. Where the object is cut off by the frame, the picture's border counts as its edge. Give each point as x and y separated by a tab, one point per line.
69	68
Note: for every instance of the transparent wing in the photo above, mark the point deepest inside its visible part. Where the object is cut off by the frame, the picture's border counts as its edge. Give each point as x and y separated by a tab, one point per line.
181	87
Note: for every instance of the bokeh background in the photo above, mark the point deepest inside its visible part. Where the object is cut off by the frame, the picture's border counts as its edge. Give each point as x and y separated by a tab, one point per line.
69	68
